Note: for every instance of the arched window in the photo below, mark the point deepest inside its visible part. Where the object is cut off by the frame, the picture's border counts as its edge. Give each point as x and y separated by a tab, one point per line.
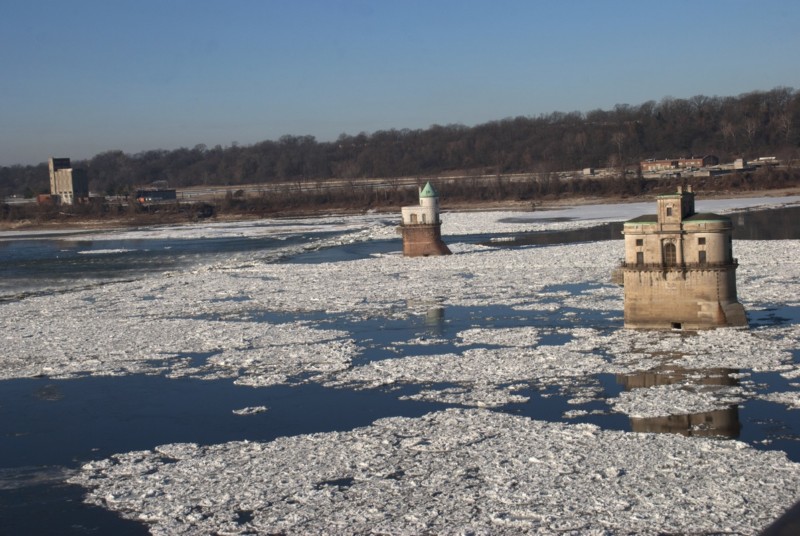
670	256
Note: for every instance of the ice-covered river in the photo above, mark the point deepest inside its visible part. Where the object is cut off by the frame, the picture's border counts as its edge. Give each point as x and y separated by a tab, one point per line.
302	376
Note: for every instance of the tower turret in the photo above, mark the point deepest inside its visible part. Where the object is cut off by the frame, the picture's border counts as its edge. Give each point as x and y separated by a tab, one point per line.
421	226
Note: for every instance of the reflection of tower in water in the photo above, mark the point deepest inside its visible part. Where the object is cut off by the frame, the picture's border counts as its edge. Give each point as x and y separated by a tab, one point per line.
721	422
433	313
434	319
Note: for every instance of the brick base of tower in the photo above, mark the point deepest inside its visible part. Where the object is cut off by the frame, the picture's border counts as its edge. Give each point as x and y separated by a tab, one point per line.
423	240
682	298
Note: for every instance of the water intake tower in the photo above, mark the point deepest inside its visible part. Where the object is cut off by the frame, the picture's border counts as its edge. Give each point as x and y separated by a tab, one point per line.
679	271
421	227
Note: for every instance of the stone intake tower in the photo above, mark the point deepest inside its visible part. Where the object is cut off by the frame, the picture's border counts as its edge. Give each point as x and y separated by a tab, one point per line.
679	271
421	227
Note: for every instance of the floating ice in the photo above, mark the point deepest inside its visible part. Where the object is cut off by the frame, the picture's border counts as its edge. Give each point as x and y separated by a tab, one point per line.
108	340
456	471
665	400
581	216
451	472
104	251
480	395
524	336
252	410
209	322
790	399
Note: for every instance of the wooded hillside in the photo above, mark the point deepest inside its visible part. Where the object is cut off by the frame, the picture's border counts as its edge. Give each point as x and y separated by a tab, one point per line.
749	125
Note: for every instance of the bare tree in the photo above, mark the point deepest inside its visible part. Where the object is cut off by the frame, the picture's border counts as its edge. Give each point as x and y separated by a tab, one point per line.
785	121
618	138
751	128
728	133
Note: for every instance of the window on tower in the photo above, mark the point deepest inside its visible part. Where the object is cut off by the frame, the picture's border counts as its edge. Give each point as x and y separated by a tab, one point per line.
670	254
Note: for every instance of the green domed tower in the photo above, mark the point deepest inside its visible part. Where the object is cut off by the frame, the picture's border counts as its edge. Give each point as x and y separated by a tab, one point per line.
421	227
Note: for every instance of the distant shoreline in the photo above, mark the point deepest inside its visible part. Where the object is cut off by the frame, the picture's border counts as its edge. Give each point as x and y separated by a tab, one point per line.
100	223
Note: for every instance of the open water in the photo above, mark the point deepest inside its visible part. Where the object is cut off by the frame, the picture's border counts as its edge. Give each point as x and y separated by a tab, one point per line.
51	427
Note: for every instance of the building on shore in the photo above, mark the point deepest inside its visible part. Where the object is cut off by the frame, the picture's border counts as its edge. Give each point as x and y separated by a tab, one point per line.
678	163
67	185
679	271
421	226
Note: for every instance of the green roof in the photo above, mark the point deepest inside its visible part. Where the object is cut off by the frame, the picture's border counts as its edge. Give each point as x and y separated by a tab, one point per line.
706	216
646	218
428	191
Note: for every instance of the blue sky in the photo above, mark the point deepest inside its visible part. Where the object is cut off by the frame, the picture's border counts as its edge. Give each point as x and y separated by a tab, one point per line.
79	77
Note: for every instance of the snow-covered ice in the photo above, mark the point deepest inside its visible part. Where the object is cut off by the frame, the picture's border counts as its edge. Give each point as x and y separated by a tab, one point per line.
579	216
246	319
162	323
665	400
251	410
450	472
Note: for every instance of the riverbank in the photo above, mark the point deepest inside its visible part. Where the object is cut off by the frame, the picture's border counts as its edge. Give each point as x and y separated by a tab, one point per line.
63	221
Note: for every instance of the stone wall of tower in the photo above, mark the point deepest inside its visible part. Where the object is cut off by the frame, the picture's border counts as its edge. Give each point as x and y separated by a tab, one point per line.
686	298
713	238
423	240
424	214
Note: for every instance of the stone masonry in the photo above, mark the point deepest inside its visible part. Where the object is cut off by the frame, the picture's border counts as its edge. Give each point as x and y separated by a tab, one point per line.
679	271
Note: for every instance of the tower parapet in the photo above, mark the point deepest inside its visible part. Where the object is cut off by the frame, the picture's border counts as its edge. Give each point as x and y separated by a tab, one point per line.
679	271
421	226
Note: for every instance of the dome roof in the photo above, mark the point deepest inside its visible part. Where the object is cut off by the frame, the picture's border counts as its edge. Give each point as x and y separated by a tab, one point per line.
428	191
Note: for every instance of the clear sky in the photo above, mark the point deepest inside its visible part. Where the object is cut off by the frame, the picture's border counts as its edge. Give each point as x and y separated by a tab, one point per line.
79	77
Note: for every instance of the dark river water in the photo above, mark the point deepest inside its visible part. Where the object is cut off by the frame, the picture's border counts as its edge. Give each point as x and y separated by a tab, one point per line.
50	427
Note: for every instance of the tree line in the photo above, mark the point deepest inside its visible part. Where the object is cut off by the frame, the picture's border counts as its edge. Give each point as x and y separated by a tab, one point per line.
350	197
752	124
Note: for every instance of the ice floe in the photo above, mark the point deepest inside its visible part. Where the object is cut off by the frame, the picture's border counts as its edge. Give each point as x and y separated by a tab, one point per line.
450	472
108	340
580	216
104	251
251	410
790	399
214	321
665	400
261	323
